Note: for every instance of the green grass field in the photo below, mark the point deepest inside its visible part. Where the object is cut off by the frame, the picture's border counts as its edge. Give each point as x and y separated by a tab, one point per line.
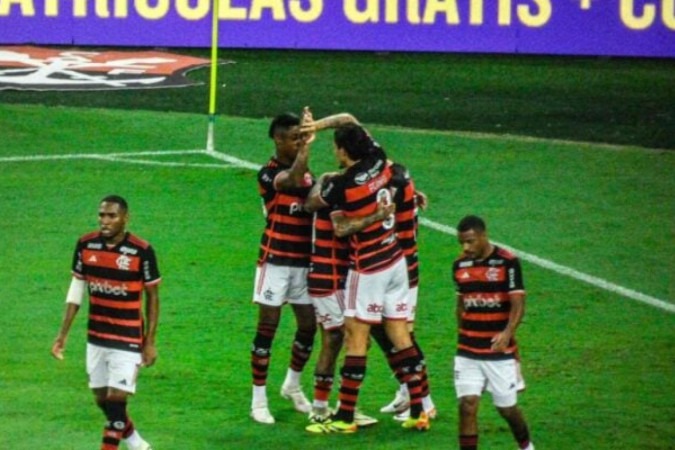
599	365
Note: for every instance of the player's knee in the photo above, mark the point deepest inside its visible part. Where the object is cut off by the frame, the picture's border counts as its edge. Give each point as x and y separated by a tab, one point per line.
335	339
468	405
269	315
304	340
509	413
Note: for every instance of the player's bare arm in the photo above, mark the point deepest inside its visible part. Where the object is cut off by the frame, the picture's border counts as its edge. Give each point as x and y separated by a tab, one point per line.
152	319
345	226
314	201
333	121
295	176
501	340
73	301
59	345
459	310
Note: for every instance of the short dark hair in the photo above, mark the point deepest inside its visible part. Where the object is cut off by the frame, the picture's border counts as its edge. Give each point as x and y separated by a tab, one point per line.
355	140
471	223
116	199
283	121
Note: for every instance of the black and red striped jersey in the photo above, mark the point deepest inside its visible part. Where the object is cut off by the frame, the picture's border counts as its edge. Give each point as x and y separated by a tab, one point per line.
286	240
355	193
116	277
329	261
403	189
484	288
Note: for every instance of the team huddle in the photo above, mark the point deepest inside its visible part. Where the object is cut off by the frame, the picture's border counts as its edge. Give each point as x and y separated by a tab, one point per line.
341	250
344	248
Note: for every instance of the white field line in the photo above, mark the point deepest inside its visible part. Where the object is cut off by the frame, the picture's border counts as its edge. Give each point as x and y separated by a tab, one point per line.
237	162
95	155
128	158
567	271
148	162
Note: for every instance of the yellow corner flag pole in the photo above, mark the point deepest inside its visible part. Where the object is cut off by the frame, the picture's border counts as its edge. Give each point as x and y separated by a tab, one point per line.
210	147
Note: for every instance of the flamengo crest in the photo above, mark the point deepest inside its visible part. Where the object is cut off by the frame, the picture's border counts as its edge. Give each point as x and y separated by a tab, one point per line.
43	69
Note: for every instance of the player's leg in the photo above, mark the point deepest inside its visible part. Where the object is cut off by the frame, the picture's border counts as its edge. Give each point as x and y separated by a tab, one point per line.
401	401
269	293
268	321
411	366
330	320
469	384
115	408
324	373
121	369
427	402
301	349
395	312
503	385
354	368
514	417
353	372
130	435
468	422
359	312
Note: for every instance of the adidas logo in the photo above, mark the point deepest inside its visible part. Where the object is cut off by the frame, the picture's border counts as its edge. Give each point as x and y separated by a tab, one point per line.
92	258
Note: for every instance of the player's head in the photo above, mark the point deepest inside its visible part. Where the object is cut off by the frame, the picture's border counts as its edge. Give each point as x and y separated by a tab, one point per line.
472	236
113	215
354	141
285	132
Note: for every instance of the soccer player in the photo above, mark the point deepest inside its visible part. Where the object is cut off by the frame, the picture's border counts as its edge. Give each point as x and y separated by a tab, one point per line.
408	200
281	272
117	268
490	306
329	264
377	281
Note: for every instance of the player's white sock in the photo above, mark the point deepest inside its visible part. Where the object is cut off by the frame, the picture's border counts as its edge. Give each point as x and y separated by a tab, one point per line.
427	403
134	439
259	395
292	378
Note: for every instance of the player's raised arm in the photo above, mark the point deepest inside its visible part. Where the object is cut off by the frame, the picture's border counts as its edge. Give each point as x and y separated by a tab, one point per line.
333	121
292	151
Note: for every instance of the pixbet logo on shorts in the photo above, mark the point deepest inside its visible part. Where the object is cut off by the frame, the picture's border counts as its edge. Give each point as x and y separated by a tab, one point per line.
42	69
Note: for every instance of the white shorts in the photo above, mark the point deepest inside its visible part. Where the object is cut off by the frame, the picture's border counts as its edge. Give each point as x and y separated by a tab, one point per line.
109	367
500	378
330	310
383	294
412	303
277	285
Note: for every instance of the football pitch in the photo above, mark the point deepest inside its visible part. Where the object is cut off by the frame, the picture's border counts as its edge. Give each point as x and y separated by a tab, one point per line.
593	224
